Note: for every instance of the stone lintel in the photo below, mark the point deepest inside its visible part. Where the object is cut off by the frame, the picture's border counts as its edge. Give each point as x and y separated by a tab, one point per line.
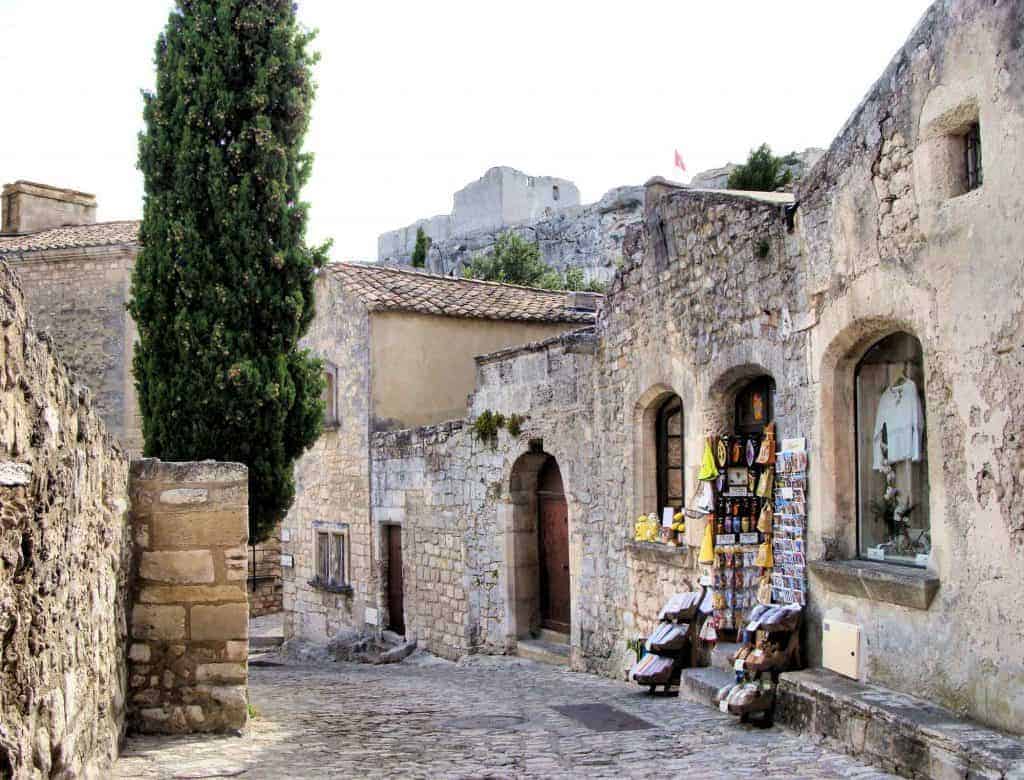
876	581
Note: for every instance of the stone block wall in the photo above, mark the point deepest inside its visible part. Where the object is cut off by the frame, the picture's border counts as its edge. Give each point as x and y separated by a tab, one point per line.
188	657
65	560
333	480
266	589
78	296
417	484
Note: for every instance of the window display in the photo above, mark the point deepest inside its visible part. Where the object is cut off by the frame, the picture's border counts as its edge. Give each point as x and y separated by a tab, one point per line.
892	468
670	454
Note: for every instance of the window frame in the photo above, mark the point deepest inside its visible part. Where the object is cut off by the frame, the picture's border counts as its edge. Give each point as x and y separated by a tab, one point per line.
766	384
669	408
333	571
859	546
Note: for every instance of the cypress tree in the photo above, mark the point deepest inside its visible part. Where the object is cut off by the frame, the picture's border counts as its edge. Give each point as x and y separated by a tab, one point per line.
222	289
419	252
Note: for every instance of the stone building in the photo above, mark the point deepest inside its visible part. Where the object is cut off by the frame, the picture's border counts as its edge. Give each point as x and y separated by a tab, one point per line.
894	266
541	209
399	347
76	274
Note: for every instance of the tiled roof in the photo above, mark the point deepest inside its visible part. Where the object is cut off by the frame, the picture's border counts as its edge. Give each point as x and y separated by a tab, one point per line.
100	234
385	288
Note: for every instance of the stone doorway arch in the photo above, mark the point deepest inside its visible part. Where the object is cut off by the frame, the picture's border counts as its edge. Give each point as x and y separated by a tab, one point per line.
537	554
553	550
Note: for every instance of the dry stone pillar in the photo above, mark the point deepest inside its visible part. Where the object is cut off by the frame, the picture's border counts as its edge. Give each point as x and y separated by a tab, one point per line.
189	641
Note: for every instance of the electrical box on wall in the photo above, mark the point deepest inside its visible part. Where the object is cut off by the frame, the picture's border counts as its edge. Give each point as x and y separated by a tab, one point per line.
840	648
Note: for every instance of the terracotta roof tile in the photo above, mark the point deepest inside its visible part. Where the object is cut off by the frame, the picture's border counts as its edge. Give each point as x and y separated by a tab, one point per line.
385	288
99	234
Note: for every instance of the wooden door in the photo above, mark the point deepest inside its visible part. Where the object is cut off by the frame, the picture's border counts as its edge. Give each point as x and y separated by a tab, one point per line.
396	585
553	539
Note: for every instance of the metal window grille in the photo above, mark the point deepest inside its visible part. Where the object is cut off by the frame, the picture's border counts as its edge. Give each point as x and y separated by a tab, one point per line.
972	157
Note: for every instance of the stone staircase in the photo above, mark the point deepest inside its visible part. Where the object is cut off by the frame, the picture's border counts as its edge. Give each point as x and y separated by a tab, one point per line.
894	731
550	647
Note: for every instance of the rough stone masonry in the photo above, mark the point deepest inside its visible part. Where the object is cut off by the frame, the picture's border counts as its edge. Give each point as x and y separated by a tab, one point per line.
65	559
190	619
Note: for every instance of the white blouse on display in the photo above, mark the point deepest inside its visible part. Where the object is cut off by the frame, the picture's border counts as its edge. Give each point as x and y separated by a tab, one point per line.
899	412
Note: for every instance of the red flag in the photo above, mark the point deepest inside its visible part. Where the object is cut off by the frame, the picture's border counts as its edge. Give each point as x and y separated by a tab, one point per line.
679	162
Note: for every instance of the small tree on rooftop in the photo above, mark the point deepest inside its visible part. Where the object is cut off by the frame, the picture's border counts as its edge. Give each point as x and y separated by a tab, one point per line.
222	290
419	252
762	171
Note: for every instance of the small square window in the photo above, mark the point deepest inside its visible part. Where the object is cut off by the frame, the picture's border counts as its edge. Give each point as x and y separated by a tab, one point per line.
972	157
332	558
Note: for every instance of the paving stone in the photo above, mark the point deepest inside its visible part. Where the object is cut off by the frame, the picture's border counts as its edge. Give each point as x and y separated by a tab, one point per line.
490	717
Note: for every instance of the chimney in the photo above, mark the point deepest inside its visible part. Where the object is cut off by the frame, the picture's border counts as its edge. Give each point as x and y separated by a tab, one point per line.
582	301
29	207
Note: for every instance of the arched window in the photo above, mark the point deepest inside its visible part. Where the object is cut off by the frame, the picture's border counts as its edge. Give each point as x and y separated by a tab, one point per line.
755	406
892	464
670	454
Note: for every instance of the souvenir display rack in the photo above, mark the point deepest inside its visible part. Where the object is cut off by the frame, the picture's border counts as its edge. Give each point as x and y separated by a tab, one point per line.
744	484
672	646
789	578
771	646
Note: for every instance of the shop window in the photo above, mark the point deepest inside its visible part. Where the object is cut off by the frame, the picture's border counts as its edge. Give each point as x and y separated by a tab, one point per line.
670	454
892	469
330	395
332	558
972	157
754	406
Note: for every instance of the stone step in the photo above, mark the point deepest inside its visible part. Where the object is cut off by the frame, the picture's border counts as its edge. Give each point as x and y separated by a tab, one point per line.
555	637
895	731
700	684
264	642
722	653
553	653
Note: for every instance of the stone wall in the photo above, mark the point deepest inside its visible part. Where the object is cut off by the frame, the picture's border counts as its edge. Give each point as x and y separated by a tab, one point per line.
190	619
333	480
418	485
64	562
78	296
266	588
892	241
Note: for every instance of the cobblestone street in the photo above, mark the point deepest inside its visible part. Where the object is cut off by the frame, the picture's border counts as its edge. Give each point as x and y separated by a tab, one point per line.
484	717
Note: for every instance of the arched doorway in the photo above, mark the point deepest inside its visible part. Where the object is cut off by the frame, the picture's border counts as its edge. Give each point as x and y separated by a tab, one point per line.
553	549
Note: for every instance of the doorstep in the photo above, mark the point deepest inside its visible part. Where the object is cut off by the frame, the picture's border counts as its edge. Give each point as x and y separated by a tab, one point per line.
554	653
894	731
897	732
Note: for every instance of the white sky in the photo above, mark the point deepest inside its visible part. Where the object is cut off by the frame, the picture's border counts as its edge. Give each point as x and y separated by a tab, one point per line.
416	99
